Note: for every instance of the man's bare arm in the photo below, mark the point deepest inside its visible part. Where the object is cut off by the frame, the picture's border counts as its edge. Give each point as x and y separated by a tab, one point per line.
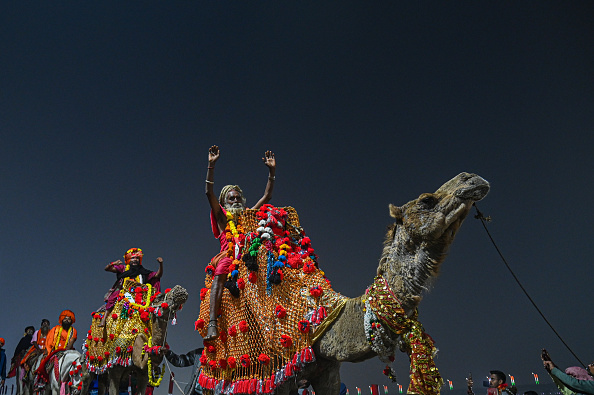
110	266
213	155
270	162
160	271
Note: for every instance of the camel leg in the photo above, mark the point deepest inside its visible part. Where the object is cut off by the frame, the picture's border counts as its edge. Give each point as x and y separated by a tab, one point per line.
115	375
216	293
326	381
102	384
86	379
141	383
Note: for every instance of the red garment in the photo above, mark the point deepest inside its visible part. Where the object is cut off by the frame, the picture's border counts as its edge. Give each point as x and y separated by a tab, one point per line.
224	263
223	266
60	340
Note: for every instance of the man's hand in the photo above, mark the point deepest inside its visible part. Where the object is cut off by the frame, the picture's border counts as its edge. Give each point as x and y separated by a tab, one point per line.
548	365
160	260
213	154
269	160
118	262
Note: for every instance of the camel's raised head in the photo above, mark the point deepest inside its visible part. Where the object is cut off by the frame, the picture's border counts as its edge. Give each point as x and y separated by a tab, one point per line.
417	243
172	300
437	216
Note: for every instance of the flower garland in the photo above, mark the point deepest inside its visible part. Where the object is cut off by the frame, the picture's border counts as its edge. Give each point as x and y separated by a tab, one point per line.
151	373
138	296
57	335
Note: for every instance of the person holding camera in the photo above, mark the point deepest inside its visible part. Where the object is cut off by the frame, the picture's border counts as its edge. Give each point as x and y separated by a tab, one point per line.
567	381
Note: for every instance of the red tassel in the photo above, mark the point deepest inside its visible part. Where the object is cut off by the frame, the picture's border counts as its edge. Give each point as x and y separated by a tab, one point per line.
308	357
267	388
322	313
253	384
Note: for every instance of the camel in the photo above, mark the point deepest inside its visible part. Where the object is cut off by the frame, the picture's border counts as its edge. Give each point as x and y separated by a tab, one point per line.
167	303
67	372
415	246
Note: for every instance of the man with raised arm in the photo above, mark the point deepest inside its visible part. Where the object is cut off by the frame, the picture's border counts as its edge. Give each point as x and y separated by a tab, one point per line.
232	201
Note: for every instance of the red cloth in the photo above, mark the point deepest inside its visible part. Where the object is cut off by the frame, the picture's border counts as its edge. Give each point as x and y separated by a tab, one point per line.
224	263
223	266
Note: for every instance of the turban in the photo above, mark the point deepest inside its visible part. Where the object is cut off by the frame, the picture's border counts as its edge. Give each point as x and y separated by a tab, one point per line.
1	341
226	189
133	252
66	313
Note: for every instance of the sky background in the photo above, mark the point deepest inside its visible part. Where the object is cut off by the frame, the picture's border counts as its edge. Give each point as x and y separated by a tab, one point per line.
107	111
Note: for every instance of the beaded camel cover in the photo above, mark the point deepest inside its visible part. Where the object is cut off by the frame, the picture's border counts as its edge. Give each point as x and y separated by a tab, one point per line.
276	304
131	316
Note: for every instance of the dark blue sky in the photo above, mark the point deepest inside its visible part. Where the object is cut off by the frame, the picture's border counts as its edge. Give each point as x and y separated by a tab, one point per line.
108	110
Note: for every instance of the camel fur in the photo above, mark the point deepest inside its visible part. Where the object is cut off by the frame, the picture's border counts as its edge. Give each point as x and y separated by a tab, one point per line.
414	248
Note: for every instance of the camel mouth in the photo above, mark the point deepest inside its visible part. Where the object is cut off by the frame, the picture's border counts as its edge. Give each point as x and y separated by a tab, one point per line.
454	219
477	189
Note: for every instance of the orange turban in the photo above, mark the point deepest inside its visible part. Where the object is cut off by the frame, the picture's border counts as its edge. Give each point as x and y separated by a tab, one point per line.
1	341
66	313
133	252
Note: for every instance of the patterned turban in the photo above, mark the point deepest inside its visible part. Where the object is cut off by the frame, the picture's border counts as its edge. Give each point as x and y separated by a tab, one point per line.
66	313
226	189
133	252
1	341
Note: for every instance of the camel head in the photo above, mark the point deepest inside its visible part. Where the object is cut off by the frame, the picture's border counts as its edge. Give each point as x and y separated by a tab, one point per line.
417	243
170	302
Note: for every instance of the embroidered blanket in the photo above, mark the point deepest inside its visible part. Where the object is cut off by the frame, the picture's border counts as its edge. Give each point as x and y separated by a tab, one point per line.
281	303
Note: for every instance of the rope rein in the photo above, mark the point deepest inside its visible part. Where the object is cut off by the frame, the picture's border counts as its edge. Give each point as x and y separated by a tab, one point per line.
484	220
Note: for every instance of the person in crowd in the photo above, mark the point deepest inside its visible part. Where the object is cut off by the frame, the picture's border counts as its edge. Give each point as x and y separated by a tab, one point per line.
191	358
2	363
497	384
572	381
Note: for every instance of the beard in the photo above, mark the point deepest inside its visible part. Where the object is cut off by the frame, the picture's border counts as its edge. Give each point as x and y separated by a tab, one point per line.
236	209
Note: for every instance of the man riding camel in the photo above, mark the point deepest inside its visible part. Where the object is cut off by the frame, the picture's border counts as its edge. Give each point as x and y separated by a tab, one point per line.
231	200
41	334
62	336
132	269
19	352
38	345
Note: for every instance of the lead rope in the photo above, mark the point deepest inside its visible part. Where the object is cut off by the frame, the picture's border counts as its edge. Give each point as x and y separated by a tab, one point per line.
174	379
484	220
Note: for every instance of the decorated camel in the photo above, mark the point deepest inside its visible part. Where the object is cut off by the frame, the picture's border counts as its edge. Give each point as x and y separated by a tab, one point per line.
61	374
131	338
282	322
